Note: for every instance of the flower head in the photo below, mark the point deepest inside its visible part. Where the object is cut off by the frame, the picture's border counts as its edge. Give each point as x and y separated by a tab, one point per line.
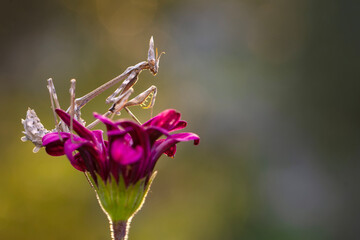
131	150
126	159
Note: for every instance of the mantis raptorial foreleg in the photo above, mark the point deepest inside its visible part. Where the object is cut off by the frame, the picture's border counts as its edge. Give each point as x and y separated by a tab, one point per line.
145	99
121	101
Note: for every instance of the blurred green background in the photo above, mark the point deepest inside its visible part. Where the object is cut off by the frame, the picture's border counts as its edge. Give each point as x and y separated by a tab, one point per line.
272	88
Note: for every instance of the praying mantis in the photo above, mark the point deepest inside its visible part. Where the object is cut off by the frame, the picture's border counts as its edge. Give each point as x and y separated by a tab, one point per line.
119	99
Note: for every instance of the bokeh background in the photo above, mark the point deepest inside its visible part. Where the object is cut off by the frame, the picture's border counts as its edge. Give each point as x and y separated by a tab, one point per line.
272	88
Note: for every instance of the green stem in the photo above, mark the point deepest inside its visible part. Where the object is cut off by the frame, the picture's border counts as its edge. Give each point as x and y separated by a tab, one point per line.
119	230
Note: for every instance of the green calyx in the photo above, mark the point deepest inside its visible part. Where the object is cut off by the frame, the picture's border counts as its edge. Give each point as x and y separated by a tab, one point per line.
118	201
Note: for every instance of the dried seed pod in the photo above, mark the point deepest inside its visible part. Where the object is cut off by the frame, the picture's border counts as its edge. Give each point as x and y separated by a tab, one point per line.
34	130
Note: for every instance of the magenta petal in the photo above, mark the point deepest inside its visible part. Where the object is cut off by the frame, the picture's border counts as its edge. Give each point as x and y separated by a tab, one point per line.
171	141
53	137
98	135
179	125
78	163
183	137
167	119
70	147
139	138
124	154
55	149
170	152
116	133
100	141
137	133
110	125
78	128
53	145
156	132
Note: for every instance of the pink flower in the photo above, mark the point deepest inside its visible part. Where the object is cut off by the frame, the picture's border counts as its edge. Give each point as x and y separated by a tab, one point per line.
131	150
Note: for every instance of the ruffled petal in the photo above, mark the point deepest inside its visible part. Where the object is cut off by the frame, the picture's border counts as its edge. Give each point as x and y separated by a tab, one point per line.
170	152
54	146
167	120
168	143
55	149
179	125
88	155
78	163
53	137
156	132
187	136
70	147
